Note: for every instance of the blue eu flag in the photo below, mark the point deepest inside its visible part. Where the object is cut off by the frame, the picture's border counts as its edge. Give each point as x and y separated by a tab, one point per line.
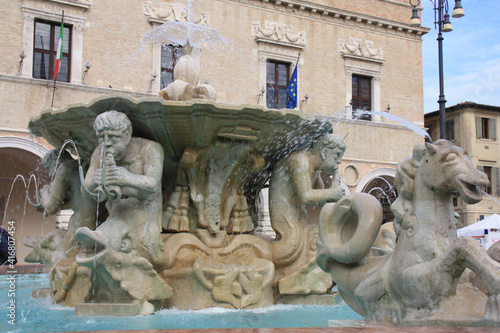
291	90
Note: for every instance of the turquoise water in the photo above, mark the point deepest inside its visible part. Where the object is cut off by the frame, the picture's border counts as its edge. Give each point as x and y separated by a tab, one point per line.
40	315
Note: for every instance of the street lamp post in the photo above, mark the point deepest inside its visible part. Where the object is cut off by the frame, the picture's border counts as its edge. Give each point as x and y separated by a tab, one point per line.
442	22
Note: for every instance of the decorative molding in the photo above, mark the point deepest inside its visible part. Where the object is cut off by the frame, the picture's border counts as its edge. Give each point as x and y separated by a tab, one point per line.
278	33
351	168
356	64
24	144
376	173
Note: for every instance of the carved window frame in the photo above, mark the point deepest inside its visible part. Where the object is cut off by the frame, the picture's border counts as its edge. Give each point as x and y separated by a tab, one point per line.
361	60
29	16
361	66
273	48
272	52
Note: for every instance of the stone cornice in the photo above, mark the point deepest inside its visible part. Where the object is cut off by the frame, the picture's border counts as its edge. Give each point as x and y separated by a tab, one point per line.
338	16
34	12
281	43
72	86
85	4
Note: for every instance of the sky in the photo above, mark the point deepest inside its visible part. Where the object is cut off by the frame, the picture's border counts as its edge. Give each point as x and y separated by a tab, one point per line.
471	55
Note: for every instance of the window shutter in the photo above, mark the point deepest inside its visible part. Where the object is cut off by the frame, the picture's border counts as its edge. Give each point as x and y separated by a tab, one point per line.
478	128
450	129
481	168
497	181
493	123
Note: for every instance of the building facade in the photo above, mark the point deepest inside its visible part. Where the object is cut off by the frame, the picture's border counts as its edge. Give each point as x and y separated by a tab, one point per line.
352	57
473	127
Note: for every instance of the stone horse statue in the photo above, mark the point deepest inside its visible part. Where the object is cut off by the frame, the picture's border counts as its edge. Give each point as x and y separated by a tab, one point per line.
420	276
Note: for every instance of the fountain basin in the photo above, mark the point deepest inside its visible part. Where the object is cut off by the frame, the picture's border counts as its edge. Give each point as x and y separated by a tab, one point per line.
40	315
217	158
177	125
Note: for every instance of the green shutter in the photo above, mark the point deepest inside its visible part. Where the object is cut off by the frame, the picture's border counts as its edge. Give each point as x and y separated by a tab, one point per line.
450	129
493	125
496	171
481	168
478	128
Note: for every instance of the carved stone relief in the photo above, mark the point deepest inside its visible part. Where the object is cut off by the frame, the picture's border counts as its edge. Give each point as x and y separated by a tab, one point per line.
275	31
360	47
176	11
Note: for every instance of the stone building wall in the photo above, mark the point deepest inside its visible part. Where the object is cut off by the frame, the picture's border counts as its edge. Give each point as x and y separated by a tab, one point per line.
335	39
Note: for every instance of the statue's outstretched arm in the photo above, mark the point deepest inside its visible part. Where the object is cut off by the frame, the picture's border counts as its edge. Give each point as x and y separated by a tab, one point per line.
53	195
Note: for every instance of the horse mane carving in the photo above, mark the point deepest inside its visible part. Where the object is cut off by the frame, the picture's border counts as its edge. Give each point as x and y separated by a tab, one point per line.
405	186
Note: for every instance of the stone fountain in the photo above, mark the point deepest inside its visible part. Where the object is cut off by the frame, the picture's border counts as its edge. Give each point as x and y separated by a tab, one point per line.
184	225
180	176
180	180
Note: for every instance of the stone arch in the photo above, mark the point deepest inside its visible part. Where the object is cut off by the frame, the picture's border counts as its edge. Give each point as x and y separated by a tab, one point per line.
384	171
24	144
22	156
380	184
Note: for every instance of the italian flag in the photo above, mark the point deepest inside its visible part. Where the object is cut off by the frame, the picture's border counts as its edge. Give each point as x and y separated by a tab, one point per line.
59	49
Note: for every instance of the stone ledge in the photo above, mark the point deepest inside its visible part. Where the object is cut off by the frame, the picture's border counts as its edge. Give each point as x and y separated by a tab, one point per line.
340	16
107	309
23	269
41	293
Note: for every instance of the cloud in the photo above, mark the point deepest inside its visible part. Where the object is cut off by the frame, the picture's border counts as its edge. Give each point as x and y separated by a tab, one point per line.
475	81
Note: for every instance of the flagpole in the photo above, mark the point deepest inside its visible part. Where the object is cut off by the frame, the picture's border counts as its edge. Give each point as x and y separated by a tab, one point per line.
61	32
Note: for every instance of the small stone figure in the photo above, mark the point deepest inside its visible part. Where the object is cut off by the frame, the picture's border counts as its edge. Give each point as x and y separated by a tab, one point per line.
64	191
291	188
126	172
131	184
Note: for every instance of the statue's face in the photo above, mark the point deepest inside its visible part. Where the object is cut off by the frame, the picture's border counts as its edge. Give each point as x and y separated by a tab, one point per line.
332	157
336	153
114	142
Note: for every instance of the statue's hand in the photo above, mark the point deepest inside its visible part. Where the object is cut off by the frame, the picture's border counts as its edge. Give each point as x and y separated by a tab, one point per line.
117	176
336	189
337	192
97	178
